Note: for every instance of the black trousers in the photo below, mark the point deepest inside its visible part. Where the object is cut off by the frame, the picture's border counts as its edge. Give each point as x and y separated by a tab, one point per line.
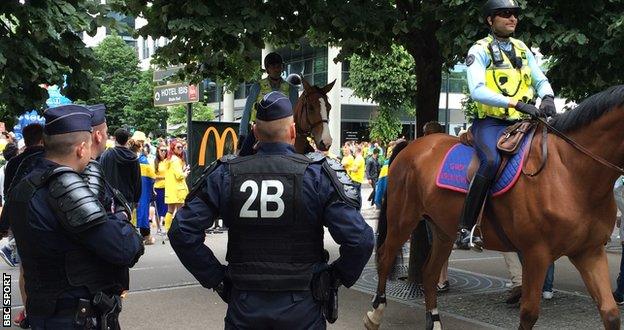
273	310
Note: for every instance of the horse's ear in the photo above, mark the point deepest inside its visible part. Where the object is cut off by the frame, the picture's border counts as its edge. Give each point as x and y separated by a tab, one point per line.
306	85
328	87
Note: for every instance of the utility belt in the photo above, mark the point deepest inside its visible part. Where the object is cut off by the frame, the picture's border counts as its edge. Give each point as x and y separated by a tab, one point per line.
324	289
102	312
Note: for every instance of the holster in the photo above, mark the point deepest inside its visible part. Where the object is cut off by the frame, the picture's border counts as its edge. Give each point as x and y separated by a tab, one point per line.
108	308
85	315
325	291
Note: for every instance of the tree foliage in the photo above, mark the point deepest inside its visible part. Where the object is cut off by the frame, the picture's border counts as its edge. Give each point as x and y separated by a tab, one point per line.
177	115
40	42
223	38
388	79
386	126
117	76
585	42
140	111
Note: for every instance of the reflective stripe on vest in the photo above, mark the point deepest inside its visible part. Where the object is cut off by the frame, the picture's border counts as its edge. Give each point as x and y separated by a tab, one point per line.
265	88
507	80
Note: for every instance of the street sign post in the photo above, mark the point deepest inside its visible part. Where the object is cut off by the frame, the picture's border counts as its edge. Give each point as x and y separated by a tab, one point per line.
175	94
165	74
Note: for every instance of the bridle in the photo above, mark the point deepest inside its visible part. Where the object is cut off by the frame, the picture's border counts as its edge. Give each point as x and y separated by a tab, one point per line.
305	112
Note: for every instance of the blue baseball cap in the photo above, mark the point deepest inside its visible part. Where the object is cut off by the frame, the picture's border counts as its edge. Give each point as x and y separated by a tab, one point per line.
67	119
274	106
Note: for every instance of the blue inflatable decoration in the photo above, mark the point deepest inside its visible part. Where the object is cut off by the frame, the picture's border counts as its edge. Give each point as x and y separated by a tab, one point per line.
26	119
56	98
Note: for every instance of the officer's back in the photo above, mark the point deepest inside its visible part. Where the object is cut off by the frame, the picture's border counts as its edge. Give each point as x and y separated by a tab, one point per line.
275	204
72	250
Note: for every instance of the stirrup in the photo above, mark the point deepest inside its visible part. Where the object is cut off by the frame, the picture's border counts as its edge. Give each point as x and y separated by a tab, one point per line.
474	244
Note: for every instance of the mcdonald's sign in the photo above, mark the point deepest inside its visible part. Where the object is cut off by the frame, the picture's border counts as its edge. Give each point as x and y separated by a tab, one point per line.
210	141
219	139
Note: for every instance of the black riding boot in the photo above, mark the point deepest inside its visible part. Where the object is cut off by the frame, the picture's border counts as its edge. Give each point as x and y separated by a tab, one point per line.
478	191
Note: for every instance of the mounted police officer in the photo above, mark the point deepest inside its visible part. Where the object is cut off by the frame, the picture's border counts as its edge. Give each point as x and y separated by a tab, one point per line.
275	204
504	80
75	255
274	65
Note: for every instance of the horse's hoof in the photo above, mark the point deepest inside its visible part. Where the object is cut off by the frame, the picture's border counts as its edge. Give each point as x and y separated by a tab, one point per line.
368	323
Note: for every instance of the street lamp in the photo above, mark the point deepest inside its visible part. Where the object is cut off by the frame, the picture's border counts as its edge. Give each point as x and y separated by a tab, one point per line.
214	85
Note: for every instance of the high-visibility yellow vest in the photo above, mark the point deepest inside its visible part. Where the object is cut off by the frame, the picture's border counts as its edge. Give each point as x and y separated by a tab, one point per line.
504	79
265	88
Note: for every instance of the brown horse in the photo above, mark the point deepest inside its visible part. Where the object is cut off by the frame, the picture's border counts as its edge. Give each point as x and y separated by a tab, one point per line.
311	116
567	209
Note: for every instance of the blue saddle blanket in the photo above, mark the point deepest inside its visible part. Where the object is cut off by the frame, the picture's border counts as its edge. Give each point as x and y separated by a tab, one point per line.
453	174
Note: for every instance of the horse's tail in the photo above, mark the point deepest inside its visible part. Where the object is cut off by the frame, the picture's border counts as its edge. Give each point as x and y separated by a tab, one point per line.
397	148
382	224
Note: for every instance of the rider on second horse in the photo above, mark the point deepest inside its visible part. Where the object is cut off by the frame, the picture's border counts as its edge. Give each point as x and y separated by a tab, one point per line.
503	77
274	65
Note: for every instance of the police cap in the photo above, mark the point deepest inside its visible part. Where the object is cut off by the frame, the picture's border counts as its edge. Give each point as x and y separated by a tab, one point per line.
99	114
67	119
274	106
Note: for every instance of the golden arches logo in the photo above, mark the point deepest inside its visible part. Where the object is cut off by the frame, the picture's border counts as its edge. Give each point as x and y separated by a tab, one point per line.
219	143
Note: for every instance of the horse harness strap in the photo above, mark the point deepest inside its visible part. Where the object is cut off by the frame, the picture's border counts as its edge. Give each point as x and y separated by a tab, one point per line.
544	152
304	111
583	149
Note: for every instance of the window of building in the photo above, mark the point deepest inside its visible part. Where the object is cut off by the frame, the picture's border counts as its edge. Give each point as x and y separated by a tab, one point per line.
145	49
306	61
346	67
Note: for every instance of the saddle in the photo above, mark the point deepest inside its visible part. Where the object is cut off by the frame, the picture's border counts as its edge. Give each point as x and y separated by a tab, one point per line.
509	143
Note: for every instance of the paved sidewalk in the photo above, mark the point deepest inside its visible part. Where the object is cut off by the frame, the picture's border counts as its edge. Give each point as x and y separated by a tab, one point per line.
194	307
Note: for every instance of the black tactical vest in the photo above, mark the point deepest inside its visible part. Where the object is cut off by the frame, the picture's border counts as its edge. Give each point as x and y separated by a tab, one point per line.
272	244
47	273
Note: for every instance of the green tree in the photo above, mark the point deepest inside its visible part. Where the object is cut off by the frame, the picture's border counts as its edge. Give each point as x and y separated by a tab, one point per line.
388	79
177	115
40	42
223	39
140	111
117	76
386	126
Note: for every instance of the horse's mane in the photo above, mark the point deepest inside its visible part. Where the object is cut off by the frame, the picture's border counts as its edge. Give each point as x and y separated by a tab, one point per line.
590	109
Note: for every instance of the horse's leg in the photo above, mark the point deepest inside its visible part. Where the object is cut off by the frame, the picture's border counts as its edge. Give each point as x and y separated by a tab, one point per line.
534	266
398	232
592	264
440	250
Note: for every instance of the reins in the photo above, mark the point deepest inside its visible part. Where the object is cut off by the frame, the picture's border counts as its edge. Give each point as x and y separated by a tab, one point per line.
304	112
579	148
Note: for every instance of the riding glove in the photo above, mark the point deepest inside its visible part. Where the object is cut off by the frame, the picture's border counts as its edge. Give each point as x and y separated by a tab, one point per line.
529	109
548	105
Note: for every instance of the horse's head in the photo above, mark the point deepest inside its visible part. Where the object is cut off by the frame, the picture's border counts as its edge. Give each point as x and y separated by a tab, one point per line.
312	114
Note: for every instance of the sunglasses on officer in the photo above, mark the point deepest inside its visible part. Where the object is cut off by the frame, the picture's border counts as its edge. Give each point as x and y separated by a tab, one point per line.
506	13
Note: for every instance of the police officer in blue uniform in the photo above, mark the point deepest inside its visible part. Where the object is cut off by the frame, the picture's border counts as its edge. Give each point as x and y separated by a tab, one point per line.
111	198
275	204
75	255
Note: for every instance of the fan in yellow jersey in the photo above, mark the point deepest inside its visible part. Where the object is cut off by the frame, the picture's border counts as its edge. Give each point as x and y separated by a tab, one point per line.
175	181
160	168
